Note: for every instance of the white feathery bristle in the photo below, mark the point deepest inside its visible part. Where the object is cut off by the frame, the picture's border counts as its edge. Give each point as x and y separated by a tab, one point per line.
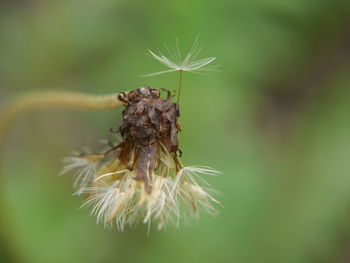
113	203
160	204
121	200
190	63
191	192
85	170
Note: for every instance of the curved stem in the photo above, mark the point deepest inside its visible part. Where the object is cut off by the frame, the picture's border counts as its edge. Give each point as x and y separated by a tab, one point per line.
53	99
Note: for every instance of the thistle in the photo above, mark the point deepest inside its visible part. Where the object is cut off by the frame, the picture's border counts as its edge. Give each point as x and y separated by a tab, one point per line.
142	178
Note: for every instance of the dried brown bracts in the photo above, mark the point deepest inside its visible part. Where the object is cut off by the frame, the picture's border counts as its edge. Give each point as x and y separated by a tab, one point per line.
142	178
150	123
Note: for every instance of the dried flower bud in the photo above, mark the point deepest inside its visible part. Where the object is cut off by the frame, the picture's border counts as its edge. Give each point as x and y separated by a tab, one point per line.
148	122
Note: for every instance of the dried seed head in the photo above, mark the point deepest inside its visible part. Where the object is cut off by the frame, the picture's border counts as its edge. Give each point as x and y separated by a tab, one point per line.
142	178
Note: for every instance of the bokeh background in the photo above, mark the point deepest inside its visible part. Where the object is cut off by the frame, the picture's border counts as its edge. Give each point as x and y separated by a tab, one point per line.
275	120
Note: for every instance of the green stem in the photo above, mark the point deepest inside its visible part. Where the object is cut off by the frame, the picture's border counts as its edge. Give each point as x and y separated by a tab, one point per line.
180	86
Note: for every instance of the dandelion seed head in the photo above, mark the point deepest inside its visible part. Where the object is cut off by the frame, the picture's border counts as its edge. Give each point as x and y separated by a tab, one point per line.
142	179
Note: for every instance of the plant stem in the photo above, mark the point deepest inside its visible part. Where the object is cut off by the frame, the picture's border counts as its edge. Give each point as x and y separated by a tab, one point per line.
180	86
53	99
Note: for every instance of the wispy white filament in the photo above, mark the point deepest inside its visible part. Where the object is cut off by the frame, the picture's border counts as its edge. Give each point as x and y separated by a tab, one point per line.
110	174
124	202
191	62
118	199
192	194
113	202
85	170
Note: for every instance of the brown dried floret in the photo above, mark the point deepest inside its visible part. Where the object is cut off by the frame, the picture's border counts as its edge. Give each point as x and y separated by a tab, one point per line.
149	122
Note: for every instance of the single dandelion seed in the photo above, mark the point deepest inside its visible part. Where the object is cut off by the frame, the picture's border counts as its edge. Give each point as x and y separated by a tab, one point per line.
142	179
191	62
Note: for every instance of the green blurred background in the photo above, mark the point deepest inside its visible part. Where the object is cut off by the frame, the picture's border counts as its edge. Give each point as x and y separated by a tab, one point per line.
275	120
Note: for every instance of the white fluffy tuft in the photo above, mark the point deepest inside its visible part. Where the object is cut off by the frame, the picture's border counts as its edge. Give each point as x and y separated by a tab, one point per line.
191	63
